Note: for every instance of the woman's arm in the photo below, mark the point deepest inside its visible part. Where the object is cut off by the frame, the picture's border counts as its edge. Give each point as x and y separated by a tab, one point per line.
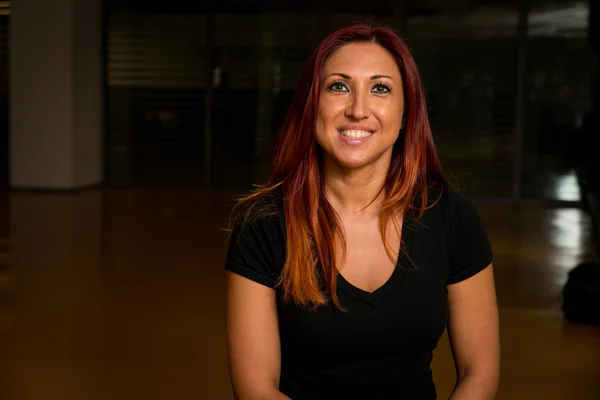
473	330
252	340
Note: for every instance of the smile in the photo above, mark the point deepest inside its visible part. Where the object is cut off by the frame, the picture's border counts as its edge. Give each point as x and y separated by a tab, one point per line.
355	134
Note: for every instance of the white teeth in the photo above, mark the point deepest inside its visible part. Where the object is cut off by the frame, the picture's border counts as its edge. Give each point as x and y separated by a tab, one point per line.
352	134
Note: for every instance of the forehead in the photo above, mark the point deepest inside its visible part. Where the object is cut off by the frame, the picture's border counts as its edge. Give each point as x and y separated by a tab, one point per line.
362	59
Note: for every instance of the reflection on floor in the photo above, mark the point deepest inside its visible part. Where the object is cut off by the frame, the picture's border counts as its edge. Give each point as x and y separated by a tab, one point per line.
493	179
119	295
484	164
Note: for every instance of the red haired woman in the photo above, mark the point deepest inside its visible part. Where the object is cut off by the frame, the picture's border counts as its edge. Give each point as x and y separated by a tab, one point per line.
346	267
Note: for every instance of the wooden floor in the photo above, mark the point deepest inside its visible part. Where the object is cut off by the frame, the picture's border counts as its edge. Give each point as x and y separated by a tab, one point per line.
119	295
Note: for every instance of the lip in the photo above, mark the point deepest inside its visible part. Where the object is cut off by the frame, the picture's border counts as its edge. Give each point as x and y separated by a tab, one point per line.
356	127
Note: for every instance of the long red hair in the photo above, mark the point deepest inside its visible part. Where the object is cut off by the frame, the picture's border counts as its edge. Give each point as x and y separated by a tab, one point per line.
310	273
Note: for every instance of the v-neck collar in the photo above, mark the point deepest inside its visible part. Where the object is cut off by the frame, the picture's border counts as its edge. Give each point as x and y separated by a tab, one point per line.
397	277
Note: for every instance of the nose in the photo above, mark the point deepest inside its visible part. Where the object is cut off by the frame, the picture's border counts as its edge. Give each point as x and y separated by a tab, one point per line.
359	106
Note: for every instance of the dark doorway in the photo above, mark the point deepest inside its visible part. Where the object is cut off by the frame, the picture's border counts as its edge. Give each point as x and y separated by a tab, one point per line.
4	102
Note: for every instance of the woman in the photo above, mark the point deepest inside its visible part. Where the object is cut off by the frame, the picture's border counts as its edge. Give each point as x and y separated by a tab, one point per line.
346	267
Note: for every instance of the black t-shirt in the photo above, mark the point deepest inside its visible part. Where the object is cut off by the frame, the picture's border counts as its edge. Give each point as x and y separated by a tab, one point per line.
381	347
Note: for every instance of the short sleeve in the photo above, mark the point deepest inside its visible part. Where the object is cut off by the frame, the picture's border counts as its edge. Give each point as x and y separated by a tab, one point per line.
469	248
256	249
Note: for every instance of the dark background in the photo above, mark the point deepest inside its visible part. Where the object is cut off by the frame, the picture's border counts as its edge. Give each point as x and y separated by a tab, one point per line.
195	91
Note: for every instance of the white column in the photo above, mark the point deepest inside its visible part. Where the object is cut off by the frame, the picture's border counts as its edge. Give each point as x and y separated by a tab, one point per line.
56	94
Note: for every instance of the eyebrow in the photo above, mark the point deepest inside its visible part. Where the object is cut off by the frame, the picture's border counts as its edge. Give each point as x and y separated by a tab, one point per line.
348	77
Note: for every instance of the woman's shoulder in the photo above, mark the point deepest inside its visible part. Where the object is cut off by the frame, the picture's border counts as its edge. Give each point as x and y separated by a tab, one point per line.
447	197
445	204
458	211
257	241
263	213
458	202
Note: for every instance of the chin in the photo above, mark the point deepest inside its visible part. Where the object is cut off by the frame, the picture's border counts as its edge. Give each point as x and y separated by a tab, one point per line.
358	160
354	163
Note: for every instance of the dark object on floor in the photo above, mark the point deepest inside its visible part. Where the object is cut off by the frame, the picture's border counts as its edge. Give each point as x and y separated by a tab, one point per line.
581	294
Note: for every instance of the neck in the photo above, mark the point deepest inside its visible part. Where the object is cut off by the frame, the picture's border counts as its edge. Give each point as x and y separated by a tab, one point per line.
355	191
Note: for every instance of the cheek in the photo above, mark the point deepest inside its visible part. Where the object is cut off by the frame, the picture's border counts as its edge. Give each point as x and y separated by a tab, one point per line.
390	118
326	114
320	122
321	127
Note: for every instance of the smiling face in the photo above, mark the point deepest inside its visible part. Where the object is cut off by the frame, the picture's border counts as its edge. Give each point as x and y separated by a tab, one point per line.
360	108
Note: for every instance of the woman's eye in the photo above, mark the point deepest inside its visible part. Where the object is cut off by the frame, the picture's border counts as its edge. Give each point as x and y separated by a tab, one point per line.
379	88
338	87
